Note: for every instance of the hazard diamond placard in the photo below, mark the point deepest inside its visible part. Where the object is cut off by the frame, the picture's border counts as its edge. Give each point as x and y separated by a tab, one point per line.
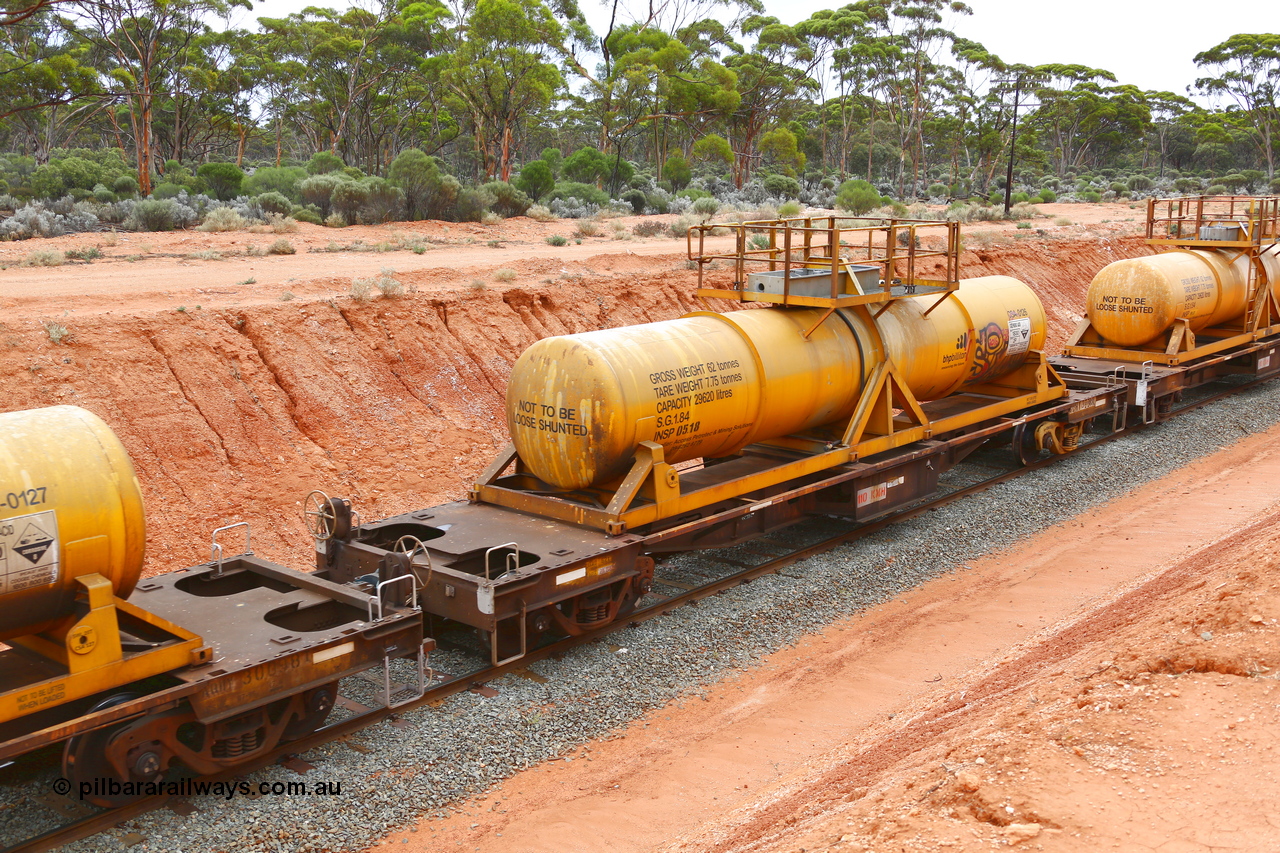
28	551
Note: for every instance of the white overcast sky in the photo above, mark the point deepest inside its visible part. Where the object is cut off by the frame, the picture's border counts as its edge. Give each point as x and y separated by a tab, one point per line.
1148	44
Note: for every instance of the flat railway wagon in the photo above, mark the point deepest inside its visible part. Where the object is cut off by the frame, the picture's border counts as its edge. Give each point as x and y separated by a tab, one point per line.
858	368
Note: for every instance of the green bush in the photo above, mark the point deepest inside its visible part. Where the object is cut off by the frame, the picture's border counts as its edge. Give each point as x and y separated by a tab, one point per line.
789	209
1274	186
1118	187
706	208
636	199
677	171
164	191
554	158
1020	198
222	179
348	198
1137	183
557	240
856	196
507	200
125	185
1217	189
1234	182
318	190
1090	196
536	179
274	202
781	186
384	201
473	204
939	191
586	165
271	179
324	162
429	193
102	195
303	215
1047	196
586	193
1188	185
658	202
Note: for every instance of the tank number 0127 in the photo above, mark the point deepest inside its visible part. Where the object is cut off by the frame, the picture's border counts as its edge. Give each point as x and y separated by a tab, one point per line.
28	497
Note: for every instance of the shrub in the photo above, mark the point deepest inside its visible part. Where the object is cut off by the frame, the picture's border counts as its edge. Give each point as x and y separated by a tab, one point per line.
281	224
361	289
1023	226
507	200
1090	196
536	179
348	198
488	217
383	200
554	158
472	204
1234	182
1047	196
505	274
274	202
1216	189
1274	185
1020	198
1118	187
1140	182
938	191
222	179
56	331
540	214
706	208
636	199
318	191
102	195
387	284
43	258
221	219
281	247
154	215
680	228
782	186
857	197
324	162
1189	185
587	228
167	190
428	192
1062	221
275	179
677	171
649	228
789	209
125	185
586	165
585	193
303	215
557	240
84	253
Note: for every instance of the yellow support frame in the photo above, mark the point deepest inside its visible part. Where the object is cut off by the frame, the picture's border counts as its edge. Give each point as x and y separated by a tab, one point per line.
89	657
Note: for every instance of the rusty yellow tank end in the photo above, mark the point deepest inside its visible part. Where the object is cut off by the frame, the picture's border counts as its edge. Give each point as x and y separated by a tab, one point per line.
1214	287
87	658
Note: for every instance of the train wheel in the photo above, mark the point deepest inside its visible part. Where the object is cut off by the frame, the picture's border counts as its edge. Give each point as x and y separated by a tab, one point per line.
1025	447
85	764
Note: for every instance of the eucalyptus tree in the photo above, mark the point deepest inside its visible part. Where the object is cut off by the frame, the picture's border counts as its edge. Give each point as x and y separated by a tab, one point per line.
1084	118
1247	71
45	70
772	75
144	41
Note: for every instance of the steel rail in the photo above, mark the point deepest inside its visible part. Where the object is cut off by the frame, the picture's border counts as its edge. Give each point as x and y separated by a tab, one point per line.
102	821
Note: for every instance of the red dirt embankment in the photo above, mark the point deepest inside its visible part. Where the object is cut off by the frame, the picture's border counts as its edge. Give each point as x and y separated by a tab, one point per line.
235	412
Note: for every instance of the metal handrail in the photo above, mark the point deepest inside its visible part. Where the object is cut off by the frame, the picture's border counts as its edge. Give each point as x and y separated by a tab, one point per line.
215	549
508	560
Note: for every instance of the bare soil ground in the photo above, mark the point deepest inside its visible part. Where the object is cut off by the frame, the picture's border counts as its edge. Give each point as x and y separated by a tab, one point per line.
1053	697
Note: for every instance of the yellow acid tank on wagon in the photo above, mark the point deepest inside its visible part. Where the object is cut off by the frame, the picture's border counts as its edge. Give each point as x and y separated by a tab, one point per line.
70	505
709	384
1134	301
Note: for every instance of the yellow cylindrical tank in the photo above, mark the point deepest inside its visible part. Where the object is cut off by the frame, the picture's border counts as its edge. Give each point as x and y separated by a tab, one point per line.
1134	301
709	384
69	505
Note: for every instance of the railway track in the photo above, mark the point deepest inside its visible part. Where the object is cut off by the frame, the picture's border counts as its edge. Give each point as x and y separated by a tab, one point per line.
443	686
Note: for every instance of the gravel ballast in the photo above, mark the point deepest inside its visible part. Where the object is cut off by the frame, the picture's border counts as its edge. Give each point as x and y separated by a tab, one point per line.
391	776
